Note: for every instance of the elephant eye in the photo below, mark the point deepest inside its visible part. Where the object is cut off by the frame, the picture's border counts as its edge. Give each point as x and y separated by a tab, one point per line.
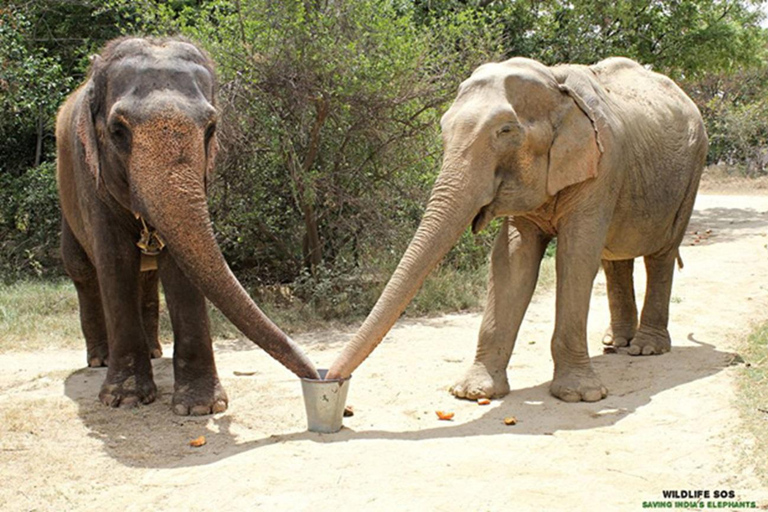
121	135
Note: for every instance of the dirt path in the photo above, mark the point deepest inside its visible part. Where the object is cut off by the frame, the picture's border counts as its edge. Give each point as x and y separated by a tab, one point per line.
668	423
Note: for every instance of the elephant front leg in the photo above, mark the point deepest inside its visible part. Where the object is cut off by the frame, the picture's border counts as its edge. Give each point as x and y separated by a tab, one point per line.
578	258
129	378
652	336
515	262
196	389
621	300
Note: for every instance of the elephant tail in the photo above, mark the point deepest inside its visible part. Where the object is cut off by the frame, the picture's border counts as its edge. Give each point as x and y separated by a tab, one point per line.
680	264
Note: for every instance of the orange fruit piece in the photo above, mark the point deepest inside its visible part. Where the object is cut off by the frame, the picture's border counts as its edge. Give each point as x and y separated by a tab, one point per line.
510	421
200	441
445	416
483	401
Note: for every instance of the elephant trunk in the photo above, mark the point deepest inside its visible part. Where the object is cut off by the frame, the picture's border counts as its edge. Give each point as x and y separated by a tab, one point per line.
167	187
450	210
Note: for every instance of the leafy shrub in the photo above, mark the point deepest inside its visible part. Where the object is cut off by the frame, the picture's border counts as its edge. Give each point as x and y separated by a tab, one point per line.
30	224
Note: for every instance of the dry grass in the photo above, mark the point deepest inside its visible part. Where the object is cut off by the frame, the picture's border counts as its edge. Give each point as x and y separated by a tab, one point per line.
753	391
721	179
36	315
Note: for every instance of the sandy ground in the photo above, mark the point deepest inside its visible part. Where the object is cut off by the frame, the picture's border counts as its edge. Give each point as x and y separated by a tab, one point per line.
669	422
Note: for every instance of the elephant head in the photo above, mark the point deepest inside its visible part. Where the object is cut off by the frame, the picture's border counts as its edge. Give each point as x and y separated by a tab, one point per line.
515	136
148	128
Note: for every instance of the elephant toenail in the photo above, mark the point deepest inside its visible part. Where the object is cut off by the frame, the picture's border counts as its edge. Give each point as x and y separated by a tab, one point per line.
129	402
593	395
200	410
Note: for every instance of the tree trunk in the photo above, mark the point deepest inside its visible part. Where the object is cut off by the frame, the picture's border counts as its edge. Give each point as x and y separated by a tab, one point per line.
313	252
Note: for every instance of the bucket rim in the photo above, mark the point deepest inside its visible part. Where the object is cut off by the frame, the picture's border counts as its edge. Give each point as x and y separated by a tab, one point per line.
322	380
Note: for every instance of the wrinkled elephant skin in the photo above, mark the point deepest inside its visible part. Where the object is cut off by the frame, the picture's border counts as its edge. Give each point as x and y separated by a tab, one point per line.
136	147
605	158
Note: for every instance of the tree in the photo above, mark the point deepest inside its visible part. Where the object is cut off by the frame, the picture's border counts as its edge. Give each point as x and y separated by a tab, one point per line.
681	38
330	108
32	84
329	124
735	109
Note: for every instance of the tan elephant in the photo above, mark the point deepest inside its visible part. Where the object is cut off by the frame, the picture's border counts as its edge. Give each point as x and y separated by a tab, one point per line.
136	146
606	158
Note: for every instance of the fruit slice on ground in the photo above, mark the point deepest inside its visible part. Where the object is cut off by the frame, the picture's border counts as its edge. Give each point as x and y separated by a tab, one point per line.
200	441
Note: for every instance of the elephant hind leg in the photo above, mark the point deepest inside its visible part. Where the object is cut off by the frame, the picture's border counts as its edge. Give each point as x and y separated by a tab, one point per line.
83	274
621	300
150	311
652	337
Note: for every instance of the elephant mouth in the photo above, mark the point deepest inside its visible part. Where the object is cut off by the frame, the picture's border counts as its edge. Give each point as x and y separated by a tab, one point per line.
488	212
482	219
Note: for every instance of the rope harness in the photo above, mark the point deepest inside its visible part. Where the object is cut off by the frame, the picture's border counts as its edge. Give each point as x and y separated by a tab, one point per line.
150	244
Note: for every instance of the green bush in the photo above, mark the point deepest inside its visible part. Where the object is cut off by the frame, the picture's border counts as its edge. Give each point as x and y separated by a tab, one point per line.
330	133
30	224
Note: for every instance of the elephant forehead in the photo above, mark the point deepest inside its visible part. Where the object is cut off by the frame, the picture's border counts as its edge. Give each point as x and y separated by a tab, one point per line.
142	75
517	70
527	85
139	46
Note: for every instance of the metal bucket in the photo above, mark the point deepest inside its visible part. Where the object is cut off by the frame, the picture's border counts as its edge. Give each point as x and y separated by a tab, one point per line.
325	401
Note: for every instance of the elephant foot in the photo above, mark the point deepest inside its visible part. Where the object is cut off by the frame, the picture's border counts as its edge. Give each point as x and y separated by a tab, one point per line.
97	362
577	384
155	350
650	341
98	356
478	382
128	391
619	335
200	396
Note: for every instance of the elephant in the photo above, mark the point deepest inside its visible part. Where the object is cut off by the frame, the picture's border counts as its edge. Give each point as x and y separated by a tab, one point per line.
136	146
606	159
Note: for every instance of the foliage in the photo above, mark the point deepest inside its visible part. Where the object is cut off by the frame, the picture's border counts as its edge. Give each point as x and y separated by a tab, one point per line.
30	217
329	142
32	84
41	59
330	113
753	387
735	108
683	39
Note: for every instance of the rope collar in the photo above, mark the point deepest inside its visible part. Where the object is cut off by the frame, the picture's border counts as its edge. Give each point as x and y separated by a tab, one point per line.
150	244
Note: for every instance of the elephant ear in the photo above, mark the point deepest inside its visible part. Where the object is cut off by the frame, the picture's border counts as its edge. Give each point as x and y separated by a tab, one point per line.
576	147
86	132
211	149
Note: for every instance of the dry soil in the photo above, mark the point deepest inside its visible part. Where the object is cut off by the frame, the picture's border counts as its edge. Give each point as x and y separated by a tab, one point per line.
670	422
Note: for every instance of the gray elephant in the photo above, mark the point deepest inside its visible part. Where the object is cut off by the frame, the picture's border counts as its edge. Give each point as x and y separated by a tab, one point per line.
136	148
606	158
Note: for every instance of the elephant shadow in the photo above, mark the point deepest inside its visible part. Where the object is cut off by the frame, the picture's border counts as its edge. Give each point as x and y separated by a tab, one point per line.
725	225
632	382
147	436
153	437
